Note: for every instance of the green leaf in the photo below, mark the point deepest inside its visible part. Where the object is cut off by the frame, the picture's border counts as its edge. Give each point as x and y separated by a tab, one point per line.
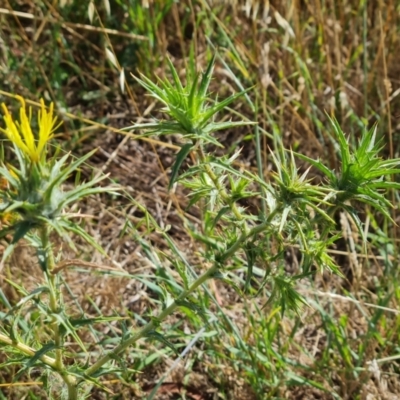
218	126
194	100
182	271
84	190
285	214
354	216
207	115
25	299
9	177
32	361
318	164
191	306
21	229
78	322
4	300
75	228
343	143
57	179
206	78
175	76
152	286
251	253
92	379
69	329
7	252
180	157
220	214
154	335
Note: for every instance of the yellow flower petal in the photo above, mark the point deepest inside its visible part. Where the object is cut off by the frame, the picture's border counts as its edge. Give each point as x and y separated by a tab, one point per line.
46	125
11	130
20	132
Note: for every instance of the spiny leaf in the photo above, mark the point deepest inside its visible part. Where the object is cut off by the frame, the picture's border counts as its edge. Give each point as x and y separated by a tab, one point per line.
206	79
219	106
183	152
175	76
21	229
344	146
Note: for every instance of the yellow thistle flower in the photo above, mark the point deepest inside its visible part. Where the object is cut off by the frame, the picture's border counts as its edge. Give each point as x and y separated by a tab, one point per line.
20	132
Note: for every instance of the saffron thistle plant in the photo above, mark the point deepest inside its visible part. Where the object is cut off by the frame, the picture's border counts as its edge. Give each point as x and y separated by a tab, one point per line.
300	214
299	217
35	197
362	174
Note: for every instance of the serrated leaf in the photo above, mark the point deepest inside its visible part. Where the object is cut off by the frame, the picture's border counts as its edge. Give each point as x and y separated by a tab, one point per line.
62	175
284	216
182	271
92	379
343	143
218	126
357	221
11	179
42	258
152	286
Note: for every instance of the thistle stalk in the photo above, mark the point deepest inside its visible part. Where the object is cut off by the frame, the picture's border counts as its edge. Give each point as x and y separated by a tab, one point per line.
55	302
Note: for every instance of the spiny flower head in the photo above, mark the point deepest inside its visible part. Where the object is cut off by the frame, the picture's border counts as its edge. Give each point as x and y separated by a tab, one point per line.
20	132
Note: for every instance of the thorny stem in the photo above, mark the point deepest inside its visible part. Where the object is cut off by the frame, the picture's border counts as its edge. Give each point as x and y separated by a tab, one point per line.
210	273
54	304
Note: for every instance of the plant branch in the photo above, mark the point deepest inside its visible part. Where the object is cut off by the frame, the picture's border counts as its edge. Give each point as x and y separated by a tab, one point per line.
29	351
210	273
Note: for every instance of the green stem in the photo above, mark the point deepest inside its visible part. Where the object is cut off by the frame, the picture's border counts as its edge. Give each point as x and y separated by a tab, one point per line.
29	351
54	297
51	362
55	306
171	308
152	324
